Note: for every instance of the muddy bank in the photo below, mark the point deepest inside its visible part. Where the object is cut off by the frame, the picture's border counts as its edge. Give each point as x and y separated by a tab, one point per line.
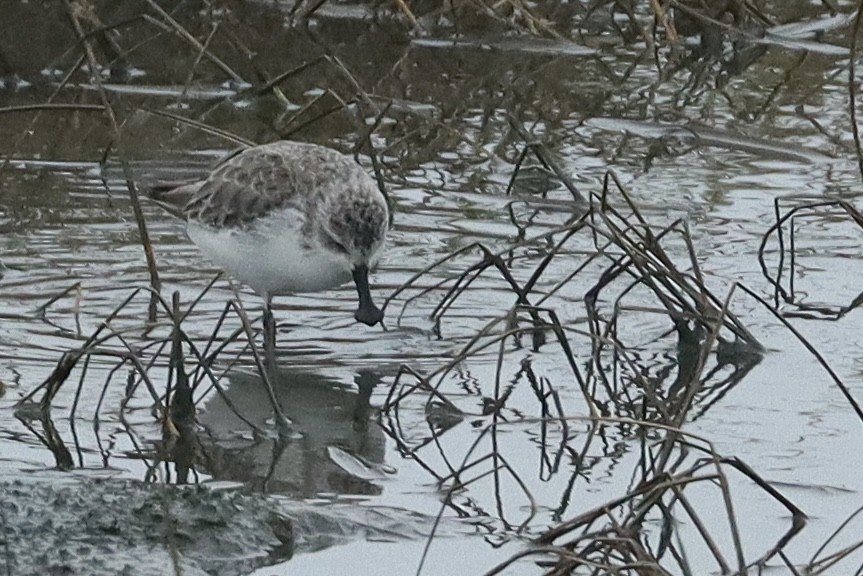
112	527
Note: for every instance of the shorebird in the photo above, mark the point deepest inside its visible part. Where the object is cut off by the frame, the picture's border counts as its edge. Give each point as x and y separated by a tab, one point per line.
287	217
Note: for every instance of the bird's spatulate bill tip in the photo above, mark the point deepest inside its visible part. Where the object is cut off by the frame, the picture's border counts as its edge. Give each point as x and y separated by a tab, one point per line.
367	312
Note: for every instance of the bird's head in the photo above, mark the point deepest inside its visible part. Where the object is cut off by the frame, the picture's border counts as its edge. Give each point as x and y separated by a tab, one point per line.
357	233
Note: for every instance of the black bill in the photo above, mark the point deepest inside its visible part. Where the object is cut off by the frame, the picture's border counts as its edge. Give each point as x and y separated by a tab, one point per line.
367	313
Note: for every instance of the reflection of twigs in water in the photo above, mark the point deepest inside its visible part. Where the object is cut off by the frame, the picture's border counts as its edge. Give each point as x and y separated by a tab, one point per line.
658	491
690	382
52	441
807	206
463	280
179	443
543	389
547	158
684	297
661	491
737	356
457	483
399	391
41	311
613	535
635	252
155	283
820	565
97	344
486	338
205	360
178	424
264	371
391	404
67	362
812	350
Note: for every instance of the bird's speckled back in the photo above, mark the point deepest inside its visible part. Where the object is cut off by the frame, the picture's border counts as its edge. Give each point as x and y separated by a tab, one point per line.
278	175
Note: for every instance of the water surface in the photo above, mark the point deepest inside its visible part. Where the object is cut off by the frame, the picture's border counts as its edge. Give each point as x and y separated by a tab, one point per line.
703	141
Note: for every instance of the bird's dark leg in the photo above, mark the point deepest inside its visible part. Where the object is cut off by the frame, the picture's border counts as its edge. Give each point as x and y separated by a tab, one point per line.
269	334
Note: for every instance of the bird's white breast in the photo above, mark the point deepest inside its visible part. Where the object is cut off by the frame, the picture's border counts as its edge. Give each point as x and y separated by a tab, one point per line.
273	256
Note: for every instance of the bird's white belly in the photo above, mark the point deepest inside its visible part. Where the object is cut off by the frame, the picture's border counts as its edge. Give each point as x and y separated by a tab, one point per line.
270	257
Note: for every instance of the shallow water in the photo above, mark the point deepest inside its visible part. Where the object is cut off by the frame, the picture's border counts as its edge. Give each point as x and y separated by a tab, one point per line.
714	157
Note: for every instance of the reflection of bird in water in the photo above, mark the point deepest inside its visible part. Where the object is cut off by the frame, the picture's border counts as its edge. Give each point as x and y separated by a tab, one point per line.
287	217
334	450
